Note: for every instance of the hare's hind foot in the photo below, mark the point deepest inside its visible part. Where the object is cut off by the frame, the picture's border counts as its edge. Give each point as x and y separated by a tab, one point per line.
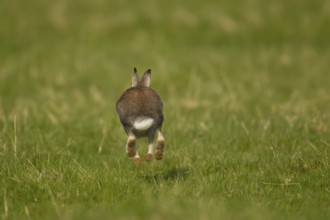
130	147
137	161
159	149
148	157
159	155
160	146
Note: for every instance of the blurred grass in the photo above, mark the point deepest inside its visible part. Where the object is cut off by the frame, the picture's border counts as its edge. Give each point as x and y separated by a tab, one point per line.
245	85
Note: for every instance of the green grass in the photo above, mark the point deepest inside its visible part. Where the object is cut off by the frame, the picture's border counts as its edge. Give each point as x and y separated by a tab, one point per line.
245	86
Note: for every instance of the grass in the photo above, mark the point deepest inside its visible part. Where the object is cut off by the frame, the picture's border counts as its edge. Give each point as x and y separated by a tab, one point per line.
245	86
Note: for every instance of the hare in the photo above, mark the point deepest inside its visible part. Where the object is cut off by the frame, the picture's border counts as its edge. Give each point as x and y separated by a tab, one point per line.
140	111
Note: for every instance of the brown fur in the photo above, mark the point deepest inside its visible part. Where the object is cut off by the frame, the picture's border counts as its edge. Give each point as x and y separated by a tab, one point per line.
139	102
160	149
148	157
130	148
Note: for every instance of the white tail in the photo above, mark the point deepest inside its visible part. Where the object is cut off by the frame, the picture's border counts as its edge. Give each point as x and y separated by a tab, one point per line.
143	123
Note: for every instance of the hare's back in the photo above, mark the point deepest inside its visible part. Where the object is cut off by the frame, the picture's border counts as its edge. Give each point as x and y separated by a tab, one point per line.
140	102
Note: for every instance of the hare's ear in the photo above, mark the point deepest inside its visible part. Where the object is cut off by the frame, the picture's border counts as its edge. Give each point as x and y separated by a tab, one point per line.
145	81
135	78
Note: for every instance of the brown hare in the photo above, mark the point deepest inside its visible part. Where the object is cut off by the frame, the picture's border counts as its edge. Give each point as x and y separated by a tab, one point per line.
140	111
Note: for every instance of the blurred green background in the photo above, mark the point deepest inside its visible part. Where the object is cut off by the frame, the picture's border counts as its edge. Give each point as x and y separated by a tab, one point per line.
245	86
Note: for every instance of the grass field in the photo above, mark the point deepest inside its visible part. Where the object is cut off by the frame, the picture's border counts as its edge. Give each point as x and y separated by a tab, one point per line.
246	92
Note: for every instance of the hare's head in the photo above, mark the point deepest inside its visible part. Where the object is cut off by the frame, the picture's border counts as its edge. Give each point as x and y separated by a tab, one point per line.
144	82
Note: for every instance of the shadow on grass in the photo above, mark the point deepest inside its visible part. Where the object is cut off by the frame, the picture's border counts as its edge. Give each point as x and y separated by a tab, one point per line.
172	174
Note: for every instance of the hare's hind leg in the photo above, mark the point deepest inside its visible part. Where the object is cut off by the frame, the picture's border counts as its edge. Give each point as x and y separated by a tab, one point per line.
130	144
151	138
137	159
160	145
131	148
